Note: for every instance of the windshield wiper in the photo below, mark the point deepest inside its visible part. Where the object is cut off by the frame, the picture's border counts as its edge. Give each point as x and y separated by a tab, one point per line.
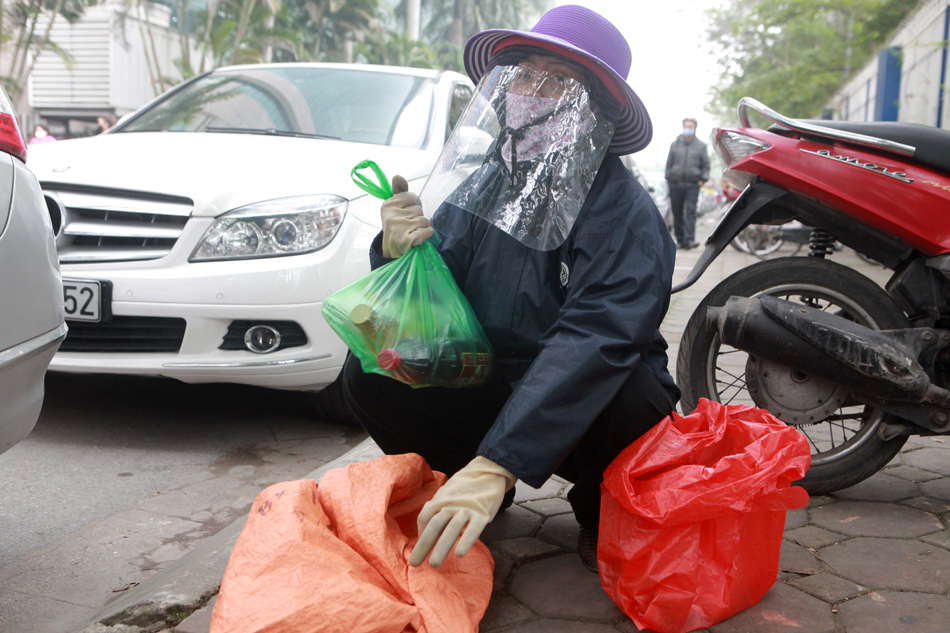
267	132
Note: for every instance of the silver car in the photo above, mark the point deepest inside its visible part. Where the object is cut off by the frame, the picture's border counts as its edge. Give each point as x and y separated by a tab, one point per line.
31	290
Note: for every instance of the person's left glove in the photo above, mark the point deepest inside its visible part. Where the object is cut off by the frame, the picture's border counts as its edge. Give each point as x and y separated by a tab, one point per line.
468	501
404	225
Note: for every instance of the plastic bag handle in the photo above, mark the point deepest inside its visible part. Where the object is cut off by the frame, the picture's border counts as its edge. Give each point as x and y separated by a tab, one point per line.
383	190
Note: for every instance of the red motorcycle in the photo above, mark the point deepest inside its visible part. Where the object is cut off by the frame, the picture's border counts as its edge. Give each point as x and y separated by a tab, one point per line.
855	367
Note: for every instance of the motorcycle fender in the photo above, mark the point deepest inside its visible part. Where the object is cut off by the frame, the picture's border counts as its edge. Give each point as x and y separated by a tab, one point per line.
739	216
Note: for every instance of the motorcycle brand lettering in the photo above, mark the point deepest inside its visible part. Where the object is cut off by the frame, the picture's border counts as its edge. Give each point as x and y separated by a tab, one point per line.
938	185
878	169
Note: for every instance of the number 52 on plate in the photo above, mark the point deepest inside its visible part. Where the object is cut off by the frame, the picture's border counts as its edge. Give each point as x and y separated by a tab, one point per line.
82	299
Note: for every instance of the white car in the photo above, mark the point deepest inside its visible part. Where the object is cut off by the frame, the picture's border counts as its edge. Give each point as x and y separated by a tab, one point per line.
201	235
31	305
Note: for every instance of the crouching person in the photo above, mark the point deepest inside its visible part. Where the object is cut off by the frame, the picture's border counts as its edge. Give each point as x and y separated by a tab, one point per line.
567	265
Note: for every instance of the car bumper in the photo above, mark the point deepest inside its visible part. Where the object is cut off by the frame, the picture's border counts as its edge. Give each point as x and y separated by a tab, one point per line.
22	369
309	367
212	295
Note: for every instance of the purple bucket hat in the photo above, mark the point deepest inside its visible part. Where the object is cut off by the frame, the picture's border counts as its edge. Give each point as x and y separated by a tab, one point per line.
586	34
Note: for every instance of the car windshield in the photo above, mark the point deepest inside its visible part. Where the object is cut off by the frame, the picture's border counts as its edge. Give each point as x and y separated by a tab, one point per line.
351	105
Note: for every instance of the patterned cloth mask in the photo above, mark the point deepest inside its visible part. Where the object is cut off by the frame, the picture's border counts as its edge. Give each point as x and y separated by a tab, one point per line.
537	126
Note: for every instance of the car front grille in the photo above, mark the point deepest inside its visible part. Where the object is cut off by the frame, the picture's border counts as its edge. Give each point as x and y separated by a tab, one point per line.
125	334
95	224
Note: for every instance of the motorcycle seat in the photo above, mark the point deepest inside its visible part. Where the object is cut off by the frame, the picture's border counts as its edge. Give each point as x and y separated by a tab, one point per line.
933	144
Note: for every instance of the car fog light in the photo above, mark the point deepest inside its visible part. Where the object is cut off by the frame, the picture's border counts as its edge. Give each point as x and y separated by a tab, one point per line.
262	339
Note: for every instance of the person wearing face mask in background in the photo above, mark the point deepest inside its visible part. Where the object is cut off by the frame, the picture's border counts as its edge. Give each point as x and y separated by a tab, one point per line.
565	261
41	135
687	168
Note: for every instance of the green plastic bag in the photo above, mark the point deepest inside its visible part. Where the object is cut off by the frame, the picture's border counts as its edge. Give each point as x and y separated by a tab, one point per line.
409	320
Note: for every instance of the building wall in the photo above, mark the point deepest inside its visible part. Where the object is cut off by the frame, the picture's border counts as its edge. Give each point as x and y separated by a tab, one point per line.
921	40
110	71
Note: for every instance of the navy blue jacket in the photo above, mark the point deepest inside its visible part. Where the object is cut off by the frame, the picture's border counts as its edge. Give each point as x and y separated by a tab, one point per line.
568	325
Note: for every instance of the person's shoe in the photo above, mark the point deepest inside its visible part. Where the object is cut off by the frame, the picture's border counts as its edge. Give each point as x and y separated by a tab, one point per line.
690	246
587	548
507	501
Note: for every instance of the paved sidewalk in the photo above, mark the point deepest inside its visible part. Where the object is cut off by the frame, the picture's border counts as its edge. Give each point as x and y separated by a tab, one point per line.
873	558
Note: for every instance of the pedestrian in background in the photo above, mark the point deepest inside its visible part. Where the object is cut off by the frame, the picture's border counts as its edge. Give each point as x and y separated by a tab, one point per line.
41	135
687	168
104	122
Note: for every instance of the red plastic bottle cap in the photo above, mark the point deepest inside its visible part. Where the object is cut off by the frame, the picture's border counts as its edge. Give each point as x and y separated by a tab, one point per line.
388	359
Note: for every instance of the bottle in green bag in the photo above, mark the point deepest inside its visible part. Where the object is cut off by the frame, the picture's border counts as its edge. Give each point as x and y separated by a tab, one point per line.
414	362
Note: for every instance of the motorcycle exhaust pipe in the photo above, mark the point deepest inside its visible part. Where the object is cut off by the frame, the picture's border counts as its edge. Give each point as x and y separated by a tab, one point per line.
882	365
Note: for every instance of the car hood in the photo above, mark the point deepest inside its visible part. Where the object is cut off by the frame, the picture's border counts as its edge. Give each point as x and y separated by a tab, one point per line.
219	172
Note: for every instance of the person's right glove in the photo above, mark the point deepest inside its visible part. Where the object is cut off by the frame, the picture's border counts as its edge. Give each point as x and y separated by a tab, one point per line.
460	510
404	226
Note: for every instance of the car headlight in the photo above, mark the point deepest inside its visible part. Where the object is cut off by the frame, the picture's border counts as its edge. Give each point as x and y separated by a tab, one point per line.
287	226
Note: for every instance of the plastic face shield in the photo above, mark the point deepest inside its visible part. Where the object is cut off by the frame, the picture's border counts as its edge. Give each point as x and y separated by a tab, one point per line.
522	157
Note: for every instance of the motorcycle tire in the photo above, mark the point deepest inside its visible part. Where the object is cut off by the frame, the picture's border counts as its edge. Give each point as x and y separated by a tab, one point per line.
706	368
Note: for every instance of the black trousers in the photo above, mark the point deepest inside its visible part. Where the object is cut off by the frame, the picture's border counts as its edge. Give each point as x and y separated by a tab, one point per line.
683	200
446	426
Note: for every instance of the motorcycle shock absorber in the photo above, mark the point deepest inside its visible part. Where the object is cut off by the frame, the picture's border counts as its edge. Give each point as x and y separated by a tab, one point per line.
821	243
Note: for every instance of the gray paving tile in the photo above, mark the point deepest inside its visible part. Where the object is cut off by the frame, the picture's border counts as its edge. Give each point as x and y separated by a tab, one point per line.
910	473
933	459
887	612
927	504
548	507
828	587
814	537
512	523
938	538
503	568
503	610
783	609
796	519
863	518
527	549
819	500
551	488
795	559
895	564
561	626
920	441
561	530
880	487
543	586
939	488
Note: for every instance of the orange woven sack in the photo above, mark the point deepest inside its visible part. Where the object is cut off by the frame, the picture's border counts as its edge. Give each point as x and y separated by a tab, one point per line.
692	515
334	558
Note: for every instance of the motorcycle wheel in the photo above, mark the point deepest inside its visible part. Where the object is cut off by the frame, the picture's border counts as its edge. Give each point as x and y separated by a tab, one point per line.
842	433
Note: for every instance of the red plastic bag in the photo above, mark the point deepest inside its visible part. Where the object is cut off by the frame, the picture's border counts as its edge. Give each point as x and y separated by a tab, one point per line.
692	515
334	558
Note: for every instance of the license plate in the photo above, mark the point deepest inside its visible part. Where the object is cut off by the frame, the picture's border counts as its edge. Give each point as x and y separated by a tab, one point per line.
82	299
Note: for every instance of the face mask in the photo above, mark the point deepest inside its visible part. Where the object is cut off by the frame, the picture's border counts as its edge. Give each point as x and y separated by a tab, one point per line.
534	141
688	132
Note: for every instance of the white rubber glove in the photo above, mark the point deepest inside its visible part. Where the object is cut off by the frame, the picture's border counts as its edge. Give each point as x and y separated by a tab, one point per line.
404	226
471	497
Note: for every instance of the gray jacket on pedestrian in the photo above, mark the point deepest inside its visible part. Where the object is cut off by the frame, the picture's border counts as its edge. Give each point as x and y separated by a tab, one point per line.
688	163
